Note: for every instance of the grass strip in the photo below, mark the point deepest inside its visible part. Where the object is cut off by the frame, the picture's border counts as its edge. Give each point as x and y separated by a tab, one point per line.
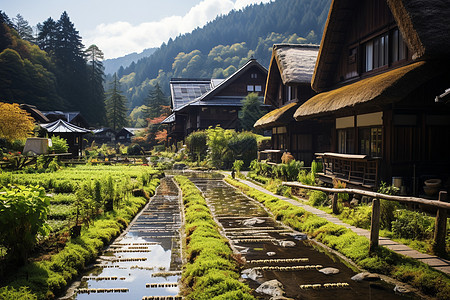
47	278
211	271
353	246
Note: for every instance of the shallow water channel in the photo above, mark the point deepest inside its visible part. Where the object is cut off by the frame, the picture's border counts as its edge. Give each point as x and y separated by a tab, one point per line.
264	243
145	261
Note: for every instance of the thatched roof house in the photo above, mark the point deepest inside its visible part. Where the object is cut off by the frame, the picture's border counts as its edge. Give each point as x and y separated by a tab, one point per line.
380	67
290	66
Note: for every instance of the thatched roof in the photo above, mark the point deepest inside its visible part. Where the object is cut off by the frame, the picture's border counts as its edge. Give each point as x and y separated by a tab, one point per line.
292	64
35	113
295	62
385	88
423	24
278	117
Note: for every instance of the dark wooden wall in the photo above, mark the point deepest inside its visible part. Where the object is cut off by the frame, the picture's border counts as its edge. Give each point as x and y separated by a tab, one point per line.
239	86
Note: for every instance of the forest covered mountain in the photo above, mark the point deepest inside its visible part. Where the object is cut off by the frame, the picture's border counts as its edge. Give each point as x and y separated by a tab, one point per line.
113	65
223	45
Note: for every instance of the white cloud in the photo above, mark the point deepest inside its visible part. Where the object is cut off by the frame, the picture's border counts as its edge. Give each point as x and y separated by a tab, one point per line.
120	38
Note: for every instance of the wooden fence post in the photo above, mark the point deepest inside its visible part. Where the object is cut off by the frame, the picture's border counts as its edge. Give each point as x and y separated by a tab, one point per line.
334	204
375	225
440	228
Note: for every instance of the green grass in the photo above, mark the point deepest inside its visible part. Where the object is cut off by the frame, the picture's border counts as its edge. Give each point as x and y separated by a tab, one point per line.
211	271
353	246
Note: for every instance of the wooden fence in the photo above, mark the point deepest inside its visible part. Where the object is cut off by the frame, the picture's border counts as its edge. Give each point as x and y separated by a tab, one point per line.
441	215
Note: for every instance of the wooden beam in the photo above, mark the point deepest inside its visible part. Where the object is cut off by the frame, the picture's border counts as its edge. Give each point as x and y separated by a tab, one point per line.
440	229
374	225
432	203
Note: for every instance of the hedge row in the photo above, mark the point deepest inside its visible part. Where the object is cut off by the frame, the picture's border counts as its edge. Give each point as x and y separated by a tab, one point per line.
353	246
44	279
211	271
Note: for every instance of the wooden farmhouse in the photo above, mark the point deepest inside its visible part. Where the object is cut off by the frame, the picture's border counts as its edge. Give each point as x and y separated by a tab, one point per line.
288	86
381	76
198	104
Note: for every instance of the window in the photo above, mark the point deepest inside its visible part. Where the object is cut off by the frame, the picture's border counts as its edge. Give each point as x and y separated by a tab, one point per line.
399	48
382	50
376	52
370	141
346	140
254	75
250	88
290	93
258	88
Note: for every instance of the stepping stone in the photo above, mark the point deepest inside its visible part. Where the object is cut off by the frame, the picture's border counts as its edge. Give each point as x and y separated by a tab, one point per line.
271	288
329	271
365	276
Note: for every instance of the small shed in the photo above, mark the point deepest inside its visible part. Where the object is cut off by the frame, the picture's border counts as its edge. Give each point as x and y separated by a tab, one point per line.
72	133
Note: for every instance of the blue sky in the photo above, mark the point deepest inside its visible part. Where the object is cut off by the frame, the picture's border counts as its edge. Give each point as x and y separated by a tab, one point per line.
119	27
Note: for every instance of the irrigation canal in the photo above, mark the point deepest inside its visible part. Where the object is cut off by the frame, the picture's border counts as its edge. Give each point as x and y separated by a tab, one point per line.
145	261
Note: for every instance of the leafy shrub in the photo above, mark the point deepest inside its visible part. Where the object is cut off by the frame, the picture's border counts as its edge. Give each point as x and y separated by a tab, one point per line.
59	145
135	149
412	225
23	212
317	198
244	147
237	165
307	178
387	208
196	145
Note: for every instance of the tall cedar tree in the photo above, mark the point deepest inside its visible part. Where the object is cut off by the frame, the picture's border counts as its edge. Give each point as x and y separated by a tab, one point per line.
47	36
96	75
250	112
155	102
70	61
116	105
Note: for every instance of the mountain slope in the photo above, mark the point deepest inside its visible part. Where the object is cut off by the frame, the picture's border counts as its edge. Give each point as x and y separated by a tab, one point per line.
113	65
223	45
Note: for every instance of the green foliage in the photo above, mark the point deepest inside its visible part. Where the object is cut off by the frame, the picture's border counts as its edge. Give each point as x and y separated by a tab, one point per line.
116	105
289	171
317	198
237	165
307	178
244	147
250	112
23	212
10	293
412	225
219	154
387	208
59	145
196	144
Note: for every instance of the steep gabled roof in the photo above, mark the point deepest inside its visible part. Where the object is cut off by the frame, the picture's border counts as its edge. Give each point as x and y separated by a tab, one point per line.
423	24
278	117
37	115
233	77
61	126
294	64
184	90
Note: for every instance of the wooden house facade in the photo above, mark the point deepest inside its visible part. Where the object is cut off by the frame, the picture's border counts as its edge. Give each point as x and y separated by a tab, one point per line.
198	104
381	65
289	86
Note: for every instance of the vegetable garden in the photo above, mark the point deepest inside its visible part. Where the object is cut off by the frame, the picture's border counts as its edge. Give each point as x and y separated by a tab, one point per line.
54	224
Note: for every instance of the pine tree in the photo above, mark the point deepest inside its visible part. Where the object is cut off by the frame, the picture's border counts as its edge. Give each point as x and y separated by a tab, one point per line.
48	32
95	73
116	105
23	28
155	102
250	112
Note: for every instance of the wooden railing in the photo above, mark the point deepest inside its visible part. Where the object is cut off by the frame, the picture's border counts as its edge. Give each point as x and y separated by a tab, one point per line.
356	169
441	214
